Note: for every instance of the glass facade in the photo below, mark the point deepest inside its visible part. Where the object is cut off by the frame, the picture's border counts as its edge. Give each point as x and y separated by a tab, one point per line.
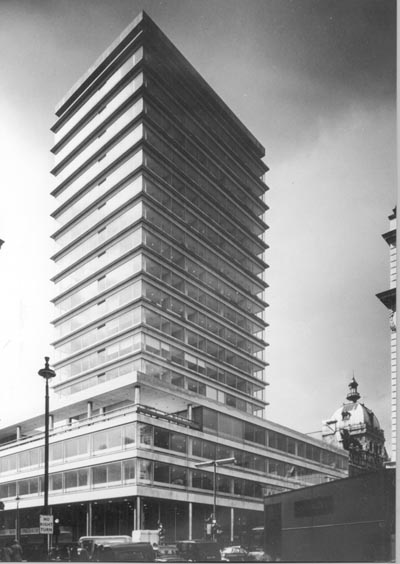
159	240
166	442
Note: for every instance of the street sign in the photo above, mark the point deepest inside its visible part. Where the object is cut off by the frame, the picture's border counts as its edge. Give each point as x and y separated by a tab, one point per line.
46	524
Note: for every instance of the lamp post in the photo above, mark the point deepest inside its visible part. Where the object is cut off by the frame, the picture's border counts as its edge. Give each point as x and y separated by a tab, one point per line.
46	373
17	519
214	464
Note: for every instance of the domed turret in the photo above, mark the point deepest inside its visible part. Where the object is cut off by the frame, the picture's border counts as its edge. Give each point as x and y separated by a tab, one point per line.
354	427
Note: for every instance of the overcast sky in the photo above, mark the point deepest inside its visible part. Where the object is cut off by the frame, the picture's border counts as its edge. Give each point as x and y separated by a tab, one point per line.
314	80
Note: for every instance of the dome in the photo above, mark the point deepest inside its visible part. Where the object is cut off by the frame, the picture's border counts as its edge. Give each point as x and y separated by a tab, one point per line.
355	414
353	419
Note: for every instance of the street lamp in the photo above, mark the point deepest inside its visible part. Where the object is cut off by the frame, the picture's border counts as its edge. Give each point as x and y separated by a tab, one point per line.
46	373
214	464
17	519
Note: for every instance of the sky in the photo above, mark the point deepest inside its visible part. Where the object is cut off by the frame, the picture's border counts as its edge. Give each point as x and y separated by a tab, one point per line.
314	81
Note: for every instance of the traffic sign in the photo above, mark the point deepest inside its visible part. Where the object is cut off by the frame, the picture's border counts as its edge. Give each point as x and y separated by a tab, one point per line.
46	524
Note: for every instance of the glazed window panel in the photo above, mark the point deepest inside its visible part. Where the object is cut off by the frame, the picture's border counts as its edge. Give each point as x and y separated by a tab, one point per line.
114	472
225	425
202	480
301	449
291	445
260	436
71	480
56	451
145	469
129	470
223	452
83	477
177	380
76	447
161	472
145	434
24	459
99	475
23	487
210	419
33	485
8	490
178	476
178	442
161	438
107	440
209	450
100	441
224	484
8	463
211	393
238	487
129	435
55	482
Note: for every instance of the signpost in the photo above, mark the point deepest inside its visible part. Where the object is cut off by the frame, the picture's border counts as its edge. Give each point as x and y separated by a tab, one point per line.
46	524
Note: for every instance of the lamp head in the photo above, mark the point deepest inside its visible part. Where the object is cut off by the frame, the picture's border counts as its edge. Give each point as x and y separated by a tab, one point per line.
46	372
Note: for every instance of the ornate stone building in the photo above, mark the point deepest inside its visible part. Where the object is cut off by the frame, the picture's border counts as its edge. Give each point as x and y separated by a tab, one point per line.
388	298
355	428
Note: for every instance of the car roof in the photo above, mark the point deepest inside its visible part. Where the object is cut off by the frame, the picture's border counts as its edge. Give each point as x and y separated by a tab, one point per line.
129	545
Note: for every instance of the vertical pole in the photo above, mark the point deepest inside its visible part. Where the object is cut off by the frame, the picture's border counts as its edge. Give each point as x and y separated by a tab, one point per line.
89	519
215	499
190	520
138	513
46	464
175	509
17	520
232	524
46	450
46	373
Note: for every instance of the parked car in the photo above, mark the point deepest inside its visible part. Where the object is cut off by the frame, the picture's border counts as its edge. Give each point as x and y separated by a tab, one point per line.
168	553
87	545
199	551
124	552
234	554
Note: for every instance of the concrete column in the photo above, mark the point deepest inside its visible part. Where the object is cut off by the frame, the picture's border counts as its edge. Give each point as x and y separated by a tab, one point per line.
89	515
137	394
232	524
190	520
51	422
138	513
101	411
190	411
89	409
18	432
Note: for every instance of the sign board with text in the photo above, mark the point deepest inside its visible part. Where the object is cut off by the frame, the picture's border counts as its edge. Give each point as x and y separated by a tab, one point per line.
46	524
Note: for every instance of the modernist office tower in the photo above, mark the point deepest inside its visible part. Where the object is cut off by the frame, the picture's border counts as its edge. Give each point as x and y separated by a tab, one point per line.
388	298
159	312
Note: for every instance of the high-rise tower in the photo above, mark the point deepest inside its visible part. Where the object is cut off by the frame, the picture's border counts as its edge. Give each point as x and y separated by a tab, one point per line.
159	201
160	211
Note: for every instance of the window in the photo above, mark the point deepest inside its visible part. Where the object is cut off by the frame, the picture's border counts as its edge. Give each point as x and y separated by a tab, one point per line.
161	438
99	475
178	476
129	435
56	451
145	467
78	446
145	434
55	482
129	468
161	472
106	440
